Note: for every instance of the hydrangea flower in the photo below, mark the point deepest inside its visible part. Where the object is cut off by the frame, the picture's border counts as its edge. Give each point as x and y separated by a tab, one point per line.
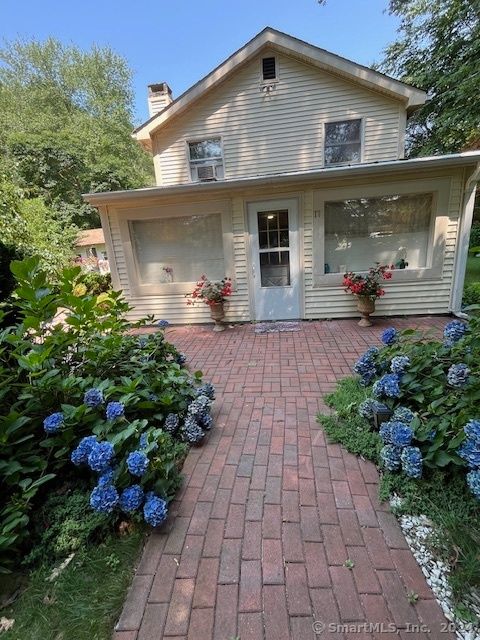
389	336
401	434
142	341
472	430
53	423
386	432
473	481
106	477
100	456
163	324
137	463
154	509
171	423
181	359
104	498
199	405
93	398
453	332
143	441
369	406
153	397
81	453
205	420
399	364
192	432
390	457
388	386
411	459
366	367
131	498
207	389
457	375
469	450
403	414
114	410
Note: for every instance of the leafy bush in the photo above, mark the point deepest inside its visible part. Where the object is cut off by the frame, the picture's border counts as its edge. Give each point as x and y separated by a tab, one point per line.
97	283
432	388
475	235
87	397
471	294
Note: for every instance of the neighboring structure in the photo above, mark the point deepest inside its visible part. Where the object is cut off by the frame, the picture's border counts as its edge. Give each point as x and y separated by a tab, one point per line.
92	251
283	168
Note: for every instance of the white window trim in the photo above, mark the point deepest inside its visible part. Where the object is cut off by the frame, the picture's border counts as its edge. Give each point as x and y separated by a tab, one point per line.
125	217
439	188
189	141
362	140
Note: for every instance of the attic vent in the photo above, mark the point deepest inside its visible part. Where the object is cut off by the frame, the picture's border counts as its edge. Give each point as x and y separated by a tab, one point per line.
206	172
269	69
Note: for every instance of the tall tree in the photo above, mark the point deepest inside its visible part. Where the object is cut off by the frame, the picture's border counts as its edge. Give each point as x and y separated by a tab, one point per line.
65	122
438	50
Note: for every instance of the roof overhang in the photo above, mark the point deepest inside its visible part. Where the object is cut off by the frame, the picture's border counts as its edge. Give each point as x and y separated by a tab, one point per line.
394	167
410	96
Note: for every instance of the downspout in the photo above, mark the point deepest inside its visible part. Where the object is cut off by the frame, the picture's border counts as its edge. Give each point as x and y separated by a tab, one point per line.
465	224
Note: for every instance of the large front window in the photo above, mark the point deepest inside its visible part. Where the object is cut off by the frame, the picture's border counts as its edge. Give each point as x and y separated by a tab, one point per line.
390	229
178	249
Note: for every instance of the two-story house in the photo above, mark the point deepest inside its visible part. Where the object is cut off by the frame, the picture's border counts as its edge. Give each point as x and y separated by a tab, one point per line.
283	168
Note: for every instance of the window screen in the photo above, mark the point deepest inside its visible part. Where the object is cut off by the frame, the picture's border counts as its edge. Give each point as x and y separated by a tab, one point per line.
178	249
387	229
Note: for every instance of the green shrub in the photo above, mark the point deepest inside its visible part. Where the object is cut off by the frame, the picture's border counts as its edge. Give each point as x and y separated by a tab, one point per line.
475	235
96	282
46	369
471	294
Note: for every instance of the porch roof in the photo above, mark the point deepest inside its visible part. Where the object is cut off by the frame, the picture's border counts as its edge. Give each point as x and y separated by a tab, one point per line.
394	167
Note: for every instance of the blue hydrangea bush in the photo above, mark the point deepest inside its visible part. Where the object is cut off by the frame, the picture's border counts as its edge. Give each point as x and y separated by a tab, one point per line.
90	401
432	388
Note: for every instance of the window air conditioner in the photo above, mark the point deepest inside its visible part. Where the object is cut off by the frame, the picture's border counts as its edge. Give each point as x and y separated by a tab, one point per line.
206	172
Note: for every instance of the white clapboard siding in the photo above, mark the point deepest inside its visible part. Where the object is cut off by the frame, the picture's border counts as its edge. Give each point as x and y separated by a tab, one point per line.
404	298
279	132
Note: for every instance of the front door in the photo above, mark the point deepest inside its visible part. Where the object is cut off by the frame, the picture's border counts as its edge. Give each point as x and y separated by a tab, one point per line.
275	259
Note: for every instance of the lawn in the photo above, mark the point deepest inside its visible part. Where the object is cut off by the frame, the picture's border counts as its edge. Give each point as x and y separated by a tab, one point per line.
472	273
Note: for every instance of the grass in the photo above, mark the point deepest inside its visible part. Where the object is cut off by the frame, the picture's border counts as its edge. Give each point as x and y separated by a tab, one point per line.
472	273
84	602
441	495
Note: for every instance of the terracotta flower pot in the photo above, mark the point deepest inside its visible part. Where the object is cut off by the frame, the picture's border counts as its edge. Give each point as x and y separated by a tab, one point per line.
217	313
366	306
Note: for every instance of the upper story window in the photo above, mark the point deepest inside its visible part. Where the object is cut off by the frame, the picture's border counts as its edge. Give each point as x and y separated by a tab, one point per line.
206	159
343	144
269	68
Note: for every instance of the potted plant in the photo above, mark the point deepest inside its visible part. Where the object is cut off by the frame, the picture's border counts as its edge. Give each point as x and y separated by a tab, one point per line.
367	288
213	293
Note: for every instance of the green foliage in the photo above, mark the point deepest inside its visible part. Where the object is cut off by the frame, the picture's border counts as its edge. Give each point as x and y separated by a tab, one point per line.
438	50
46	367
97	283
475	235
65	124
471	293
84	602
64	524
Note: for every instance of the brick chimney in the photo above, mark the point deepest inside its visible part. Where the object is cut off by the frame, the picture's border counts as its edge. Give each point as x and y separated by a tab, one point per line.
159	97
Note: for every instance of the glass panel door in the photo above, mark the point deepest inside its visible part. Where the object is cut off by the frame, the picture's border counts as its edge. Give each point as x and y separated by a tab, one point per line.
274	248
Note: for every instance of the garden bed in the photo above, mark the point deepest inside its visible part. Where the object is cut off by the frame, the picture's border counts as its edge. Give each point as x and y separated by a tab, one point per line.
426	391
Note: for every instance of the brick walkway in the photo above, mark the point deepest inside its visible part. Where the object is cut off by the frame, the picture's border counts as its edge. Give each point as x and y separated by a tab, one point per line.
269	512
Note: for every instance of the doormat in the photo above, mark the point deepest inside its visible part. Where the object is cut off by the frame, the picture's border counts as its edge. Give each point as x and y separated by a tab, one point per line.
276	327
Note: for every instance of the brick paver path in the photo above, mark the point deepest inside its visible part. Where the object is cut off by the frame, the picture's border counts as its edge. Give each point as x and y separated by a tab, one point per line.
257	539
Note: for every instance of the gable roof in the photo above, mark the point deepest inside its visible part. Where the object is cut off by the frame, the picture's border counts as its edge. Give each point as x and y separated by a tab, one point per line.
284	43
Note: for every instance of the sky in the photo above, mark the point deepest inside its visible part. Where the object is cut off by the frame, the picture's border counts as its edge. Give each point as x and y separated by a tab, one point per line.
179	42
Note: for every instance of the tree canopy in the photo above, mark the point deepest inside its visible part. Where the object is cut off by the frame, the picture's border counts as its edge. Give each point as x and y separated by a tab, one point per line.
438	50
65	122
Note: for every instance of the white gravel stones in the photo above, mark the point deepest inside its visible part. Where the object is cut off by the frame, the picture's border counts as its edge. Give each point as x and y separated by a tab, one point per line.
420	535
